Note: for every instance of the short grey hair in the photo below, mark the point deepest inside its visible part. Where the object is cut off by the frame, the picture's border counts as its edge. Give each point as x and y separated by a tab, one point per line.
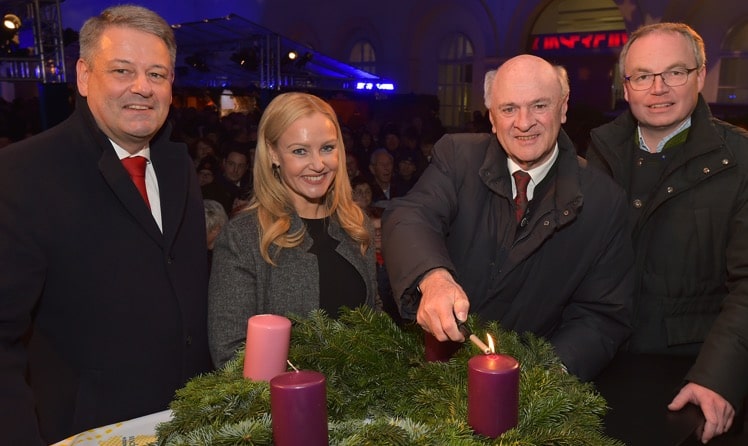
487	82
215	215
376	154
563	80
128	16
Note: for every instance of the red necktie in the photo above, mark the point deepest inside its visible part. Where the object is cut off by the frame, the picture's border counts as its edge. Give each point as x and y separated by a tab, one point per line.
521	180
135	166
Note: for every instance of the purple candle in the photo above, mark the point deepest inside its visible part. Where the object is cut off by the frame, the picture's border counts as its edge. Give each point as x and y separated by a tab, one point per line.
493	394
437	351
298	406
268	336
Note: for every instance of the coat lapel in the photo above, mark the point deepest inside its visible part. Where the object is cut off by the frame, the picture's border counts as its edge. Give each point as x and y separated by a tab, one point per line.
119	180
173	184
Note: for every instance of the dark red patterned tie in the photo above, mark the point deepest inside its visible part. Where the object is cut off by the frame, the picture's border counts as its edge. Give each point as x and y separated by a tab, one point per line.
135	166
521	180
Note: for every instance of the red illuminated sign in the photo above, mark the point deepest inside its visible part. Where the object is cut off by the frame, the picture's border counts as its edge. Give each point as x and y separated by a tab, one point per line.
599	40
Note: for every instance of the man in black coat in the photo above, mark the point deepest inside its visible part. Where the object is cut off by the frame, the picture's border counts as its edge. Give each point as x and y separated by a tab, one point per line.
558	266
102	300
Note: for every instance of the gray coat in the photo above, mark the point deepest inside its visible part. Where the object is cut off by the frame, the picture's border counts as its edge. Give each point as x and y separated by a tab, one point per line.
243	284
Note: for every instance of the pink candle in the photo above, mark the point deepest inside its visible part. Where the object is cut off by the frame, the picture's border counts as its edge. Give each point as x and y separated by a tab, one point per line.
268	336
298	406
437	351
493	394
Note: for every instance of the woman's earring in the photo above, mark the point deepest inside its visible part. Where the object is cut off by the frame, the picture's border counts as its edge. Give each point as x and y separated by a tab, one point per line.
277	171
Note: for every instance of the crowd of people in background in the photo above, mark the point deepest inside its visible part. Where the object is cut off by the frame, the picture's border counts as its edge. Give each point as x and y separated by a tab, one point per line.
384	158
493	217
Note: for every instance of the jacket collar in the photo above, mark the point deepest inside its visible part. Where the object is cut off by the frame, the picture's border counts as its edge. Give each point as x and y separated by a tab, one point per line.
173	181
568	194
83	112
616	140
701	130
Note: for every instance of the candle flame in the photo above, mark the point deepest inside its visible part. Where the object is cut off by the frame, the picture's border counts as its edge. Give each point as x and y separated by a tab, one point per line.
490	343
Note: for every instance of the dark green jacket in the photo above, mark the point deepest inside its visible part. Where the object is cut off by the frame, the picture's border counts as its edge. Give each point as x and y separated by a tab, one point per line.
691	244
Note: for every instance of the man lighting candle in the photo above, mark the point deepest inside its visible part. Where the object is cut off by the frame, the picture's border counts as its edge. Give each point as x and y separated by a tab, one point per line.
561	271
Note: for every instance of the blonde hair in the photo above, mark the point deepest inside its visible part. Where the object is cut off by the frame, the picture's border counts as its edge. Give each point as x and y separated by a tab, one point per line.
271	197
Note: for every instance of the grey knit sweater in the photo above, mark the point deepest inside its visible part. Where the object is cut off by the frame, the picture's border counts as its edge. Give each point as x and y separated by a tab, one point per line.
242	284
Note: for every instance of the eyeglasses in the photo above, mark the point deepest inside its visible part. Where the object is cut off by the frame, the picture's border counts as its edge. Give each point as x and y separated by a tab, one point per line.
671	78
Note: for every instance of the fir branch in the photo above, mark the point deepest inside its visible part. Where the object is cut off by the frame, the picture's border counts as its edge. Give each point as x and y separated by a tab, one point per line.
381	391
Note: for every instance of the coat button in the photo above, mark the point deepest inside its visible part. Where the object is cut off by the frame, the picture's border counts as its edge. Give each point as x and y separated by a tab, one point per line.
670	189
706	171
725	162
639	162
566	212
637	203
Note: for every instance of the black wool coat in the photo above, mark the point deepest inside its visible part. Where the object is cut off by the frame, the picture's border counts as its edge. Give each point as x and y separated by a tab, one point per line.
102	316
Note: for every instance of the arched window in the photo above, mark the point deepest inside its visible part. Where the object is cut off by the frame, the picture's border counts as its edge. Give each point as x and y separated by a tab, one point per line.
455	81
363	57
733	70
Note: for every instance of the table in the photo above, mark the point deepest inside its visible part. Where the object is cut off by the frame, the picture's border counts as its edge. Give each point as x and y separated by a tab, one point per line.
139	431
638	389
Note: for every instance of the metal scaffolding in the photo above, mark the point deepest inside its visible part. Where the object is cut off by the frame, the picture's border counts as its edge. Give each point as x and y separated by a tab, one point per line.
233	52
42	59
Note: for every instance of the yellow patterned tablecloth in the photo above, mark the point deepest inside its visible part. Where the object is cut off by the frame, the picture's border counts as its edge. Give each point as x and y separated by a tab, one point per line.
136	432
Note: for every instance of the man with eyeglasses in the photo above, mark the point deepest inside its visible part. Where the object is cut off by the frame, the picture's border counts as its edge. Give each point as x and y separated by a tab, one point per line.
685	175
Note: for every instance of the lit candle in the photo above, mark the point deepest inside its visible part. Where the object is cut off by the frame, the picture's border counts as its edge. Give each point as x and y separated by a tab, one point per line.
493	393
437	351
266	353
298	406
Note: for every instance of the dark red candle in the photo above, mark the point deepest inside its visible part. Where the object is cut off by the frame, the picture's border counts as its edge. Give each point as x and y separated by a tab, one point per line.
493	394
298	406
437	351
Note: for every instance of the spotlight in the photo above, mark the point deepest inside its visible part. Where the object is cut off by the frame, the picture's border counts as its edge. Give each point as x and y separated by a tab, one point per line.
296	60
247	58
11	22
197	62
303	60
9	39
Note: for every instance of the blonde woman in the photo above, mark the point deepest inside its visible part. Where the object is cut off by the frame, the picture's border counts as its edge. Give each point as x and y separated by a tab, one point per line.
302	243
